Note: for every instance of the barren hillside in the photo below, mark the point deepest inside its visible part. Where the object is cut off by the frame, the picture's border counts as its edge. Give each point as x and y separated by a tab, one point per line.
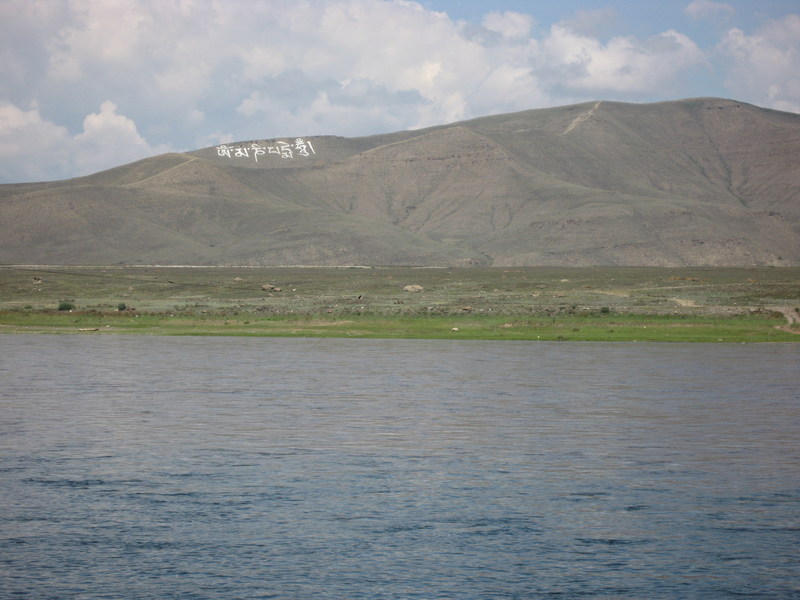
699	182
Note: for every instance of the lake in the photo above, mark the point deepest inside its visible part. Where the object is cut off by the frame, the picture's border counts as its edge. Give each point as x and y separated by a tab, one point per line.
161	467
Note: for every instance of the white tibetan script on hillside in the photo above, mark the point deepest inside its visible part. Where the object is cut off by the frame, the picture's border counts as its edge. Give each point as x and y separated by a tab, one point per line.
300	147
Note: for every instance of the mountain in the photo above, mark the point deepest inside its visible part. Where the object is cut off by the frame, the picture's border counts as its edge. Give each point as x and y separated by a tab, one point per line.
693	182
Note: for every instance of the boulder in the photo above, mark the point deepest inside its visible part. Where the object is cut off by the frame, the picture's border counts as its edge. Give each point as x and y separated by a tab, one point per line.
413	288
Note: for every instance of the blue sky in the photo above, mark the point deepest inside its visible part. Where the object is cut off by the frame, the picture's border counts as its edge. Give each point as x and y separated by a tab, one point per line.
86	85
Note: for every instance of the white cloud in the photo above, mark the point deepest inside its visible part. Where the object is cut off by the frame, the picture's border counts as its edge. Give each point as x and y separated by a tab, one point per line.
509	24
765	67
703	9
32	148
624	64
107	140
188	73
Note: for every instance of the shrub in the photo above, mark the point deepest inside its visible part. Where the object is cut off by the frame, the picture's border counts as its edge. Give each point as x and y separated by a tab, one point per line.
65	305
121	306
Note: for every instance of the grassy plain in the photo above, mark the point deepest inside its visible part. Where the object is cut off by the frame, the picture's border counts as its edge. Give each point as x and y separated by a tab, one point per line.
531	303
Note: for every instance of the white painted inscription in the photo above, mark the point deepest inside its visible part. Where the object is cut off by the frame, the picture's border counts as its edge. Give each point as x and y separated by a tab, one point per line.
300	147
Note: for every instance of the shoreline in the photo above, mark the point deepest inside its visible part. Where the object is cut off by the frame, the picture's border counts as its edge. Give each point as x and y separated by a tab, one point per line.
608	327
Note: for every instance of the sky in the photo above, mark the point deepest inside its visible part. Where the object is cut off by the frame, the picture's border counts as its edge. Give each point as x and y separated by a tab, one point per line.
87	85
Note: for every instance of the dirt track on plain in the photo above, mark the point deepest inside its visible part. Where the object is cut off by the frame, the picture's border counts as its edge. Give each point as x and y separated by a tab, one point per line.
792	319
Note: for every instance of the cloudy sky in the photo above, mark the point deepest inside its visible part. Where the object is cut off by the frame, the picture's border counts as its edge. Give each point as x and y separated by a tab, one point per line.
90	84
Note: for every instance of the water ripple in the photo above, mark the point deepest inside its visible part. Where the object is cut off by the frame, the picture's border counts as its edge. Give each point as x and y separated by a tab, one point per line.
327	469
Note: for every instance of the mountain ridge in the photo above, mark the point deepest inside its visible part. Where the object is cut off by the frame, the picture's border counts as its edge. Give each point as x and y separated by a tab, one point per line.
703	181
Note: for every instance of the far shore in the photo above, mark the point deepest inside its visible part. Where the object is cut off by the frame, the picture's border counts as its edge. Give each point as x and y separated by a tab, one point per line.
687	304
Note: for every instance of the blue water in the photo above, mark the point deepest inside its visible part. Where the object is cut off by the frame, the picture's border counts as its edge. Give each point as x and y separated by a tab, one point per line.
149	467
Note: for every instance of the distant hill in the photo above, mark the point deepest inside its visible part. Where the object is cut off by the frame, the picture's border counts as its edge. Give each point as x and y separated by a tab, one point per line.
694	182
